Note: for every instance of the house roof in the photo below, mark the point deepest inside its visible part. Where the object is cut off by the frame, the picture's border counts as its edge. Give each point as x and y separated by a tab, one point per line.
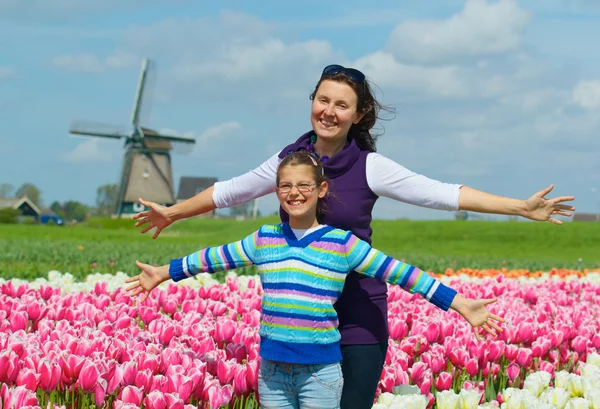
16	202
190	186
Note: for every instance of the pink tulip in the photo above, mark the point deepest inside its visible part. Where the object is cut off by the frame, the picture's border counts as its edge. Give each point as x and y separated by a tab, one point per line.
443	381
160	383
18	320
432	333
224	330
131	394
130	371
19	397
180	384
28	378
510	352
225	371
50	374
471	367
88	376
252	374
513	371
174	401
155	400
9	366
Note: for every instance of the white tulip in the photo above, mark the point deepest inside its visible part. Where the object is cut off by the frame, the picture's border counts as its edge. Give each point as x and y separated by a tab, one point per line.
409	402
575	386
537	382
590	370
556	396
468	399
590	382
561	379
593	395
446	399
593	359
578	403
380	406
385	398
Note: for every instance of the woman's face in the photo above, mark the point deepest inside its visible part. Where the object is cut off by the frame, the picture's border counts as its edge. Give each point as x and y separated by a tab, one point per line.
334	110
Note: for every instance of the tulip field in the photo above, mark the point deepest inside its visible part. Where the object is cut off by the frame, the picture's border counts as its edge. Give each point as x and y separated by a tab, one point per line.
80	341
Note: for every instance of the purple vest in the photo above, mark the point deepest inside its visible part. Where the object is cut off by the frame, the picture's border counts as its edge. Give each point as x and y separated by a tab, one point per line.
362	307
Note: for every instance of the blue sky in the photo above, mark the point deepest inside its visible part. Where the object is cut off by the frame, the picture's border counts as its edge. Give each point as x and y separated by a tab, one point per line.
502	96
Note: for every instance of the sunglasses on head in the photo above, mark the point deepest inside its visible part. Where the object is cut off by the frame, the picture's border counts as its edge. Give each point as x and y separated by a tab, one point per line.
352	73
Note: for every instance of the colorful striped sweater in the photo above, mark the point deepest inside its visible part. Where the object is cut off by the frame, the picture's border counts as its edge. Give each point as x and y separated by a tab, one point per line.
302	279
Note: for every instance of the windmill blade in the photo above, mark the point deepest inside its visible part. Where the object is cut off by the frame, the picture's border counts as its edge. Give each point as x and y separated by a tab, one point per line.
144	93
151	133
179	144
83	128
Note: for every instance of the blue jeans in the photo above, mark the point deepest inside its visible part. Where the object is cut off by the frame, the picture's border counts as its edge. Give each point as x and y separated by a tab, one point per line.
285	386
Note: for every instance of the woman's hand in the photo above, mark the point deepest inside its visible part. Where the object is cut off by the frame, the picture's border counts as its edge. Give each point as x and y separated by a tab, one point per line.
476	313
157	217
537	207
147	280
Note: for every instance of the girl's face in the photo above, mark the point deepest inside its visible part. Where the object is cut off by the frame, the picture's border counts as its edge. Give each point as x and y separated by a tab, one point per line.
334	111
298	193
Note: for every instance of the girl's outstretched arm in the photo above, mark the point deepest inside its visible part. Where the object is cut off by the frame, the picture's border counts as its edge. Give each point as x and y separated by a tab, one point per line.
366	260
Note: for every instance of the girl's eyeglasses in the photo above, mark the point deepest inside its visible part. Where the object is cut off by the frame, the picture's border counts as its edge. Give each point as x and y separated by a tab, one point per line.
354	74
302	187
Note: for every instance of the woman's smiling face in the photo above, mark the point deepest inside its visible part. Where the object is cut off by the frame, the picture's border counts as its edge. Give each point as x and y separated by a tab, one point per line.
334	110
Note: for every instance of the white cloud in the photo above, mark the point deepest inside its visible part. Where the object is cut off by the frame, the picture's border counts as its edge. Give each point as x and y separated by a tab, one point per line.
92	64
587	94
481	28
93	150
7	72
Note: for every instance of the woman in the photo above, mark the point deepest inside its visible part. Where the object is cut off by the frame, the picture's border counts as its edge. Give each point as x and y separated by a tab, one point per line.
343	113
302	266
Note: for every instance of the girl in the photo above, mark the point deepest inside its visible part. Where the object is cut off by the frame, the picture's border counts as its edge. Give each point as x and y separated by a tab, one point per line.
303	266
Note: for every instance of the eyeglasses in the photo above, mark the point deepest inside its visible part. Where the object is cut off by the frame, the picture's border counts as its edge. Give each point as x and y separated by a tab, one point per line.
354	74
302	187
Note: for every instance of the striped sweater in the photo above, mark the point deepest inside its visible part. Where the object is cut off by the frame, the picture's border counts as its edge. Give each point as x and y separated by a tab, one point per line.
302	279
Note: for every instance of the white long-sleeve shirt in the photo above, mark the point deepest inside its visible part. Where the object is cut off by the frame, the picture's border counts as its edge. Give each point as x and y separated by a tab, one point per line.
384	177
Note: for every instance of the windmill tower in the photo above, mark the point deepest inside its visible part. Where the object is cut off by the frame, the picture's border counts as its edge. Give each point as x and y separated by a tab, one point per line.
146	168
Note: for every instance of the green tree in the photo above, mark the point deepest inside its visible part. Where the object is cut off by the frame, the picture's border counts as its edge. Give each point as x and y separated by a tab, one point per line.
106	199
6	189
31	191
58	209
75	211
9	215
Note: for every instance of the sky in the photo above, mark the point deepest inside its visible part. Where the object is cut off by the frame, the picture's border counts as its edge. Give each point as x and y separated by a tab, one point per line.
502	96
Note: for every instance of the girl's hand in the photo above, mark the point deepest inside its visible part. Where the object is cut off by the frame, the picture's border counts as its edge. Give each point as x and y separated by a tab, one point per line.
147	280
157	216
476	313
541	209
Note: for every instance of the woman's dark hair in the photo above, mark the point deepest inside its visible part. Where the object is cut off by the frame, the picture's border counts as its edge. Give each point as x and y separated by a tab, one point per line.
305	158
366	104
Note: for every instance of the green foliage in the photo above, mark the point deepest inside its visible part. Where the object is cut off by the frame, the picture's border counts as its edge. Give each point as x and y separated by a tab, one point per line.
9	215
70	210
110	245
31	191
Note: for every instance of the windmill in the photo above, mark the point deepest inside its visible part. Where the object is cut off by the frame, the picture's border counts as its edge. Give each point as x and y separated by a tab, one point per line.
146	168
